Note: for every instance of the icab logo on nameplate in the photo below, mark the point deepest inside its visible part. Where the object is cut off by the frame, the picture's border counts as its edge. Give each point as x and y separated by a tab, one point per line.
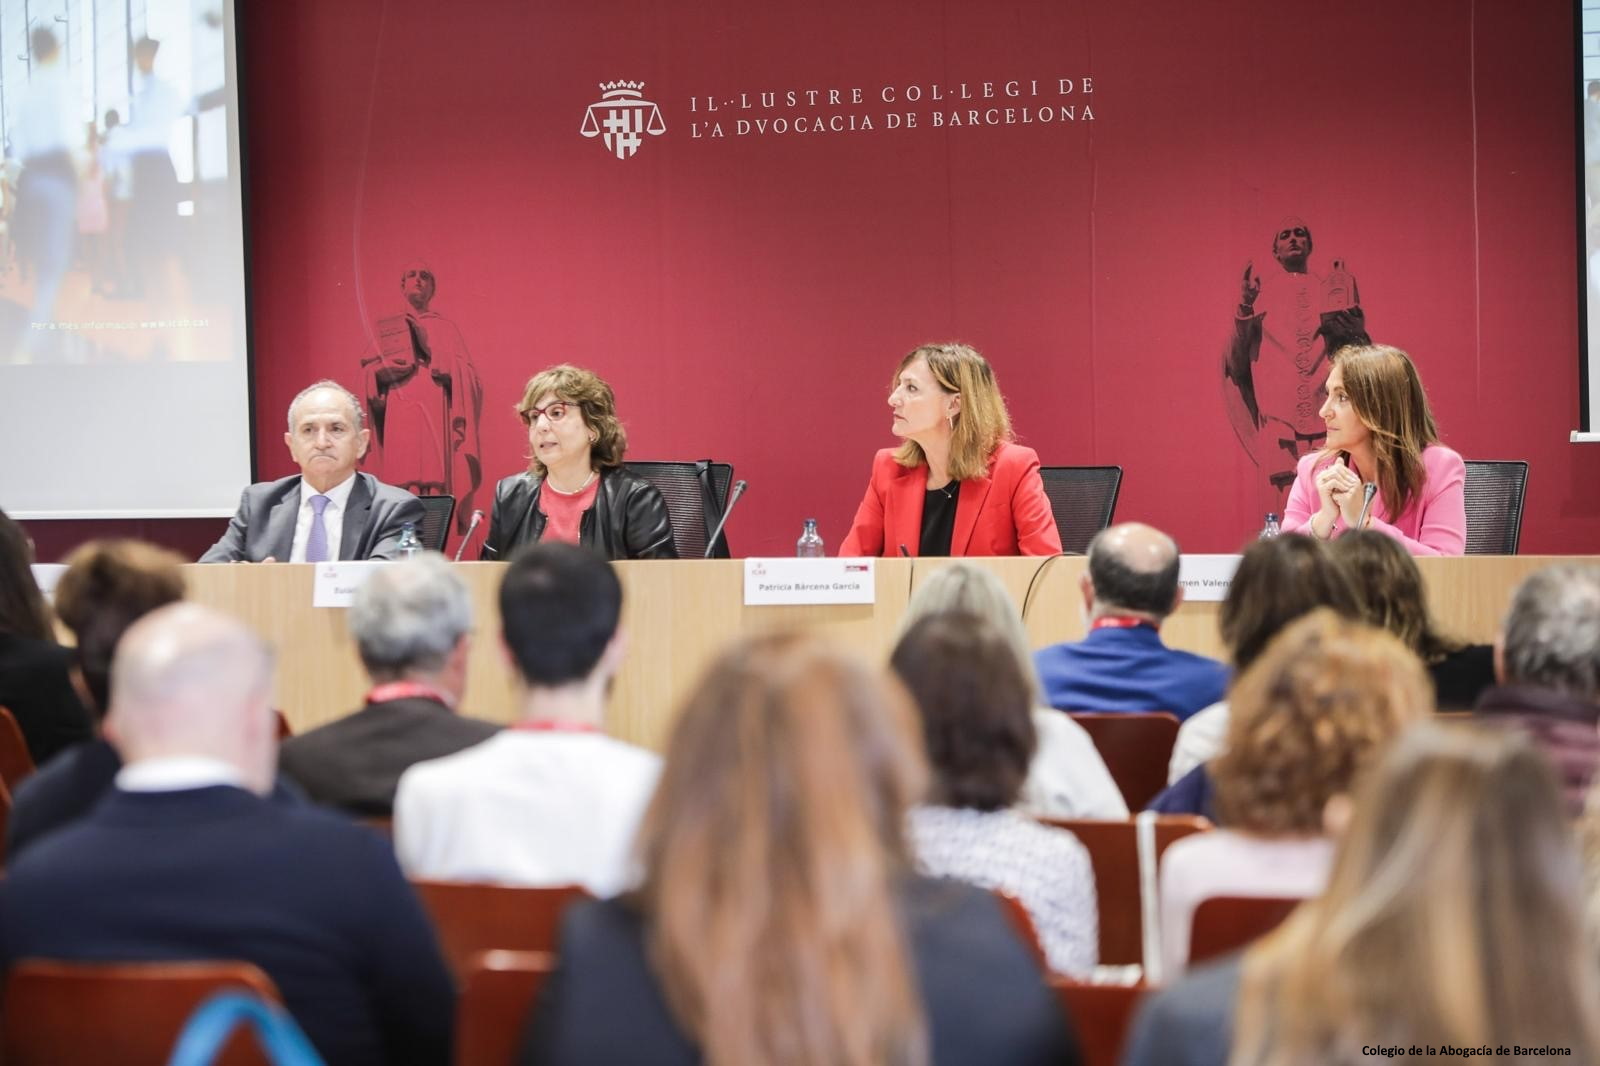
336	583
770	582
1206	578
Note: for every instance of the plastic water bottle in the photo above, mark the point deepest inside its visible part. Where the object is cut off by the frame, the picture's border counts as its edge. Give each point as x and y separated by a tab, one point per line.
1270	529
409	545
810	545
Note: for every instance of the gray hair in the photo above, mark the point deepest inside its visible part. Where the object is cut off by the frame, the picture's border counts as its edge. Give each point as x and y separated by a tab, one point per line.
360	416
969	588
1552	632
409	616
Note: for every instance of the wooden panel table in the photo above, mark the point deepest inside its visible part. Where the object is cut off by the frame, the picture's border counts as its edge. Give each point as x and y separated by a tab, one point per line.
677	615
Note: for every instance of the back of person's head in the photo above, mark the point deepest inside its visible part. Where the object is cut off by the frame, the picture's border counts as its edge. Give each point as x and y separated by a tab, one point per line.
191	681
1324	699
23	612
559	609
107	586
1389	585
770	852
976	708
1551	636
1279	580
409	617
1451	916
1134	567
962	586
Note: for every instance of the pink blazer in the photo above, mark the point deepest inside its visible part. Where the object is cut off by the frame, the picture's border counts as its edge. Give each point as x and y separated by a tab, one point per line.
1006	513
1434	524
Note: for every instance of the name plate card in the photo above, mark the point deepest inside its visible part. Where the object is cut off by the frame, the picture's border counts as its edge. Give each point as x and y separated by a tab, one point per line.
1206	578
772	582
336	583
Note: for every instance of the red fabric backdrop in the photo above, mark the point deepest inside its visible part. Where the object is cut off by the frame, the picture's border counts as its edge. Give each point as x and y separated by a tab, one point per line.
748	296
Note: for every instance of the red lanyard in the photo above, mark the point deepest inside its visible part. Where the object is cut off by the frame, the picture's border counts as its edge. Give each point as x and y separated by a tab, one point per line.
1121	621
554	725
406	690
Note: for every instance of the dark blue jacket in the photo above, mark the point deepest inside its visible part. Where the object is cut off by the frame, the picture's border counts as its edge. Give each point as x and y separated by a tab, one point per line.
1128	670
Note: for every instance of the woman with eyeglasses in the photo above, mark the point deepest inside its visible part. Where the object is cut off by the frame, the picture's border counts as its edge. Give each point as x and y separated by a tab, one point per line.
575	488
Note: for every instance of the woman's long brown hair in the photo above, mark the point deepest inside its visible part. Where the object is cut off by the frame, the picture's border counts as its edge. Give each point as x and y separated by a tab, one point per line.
1386	394
770	854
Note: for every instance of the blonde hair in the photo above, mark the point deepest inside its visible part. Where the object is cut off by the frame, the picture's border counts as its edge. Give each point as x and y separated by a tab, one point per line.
596	403
1451	917
1320	703
982	424
1386	395
770	855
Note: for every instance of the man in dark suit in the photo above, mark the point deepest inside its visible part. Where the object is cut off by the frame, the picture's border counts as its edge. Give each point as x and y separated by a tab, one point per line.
344	515
411	623
187	859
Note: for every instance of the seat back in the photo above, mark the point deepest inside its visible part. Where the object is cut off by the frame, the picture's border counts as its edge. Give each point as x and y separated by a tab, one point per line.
127	1012
497	994
1083	499
473	918
1101	1016
1136	747
1495	489
435	529
696	492
1227	923
1114	853
16	762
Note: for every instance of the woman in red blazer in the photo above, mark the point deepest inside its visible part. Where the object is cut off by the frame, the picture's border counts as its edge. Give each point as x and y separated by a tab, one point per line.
958	485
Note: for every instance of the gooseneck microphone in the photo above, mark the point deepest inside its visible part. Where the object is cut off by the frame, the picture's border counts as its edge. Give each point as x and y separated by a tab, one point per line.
472	527
738	490
1368	492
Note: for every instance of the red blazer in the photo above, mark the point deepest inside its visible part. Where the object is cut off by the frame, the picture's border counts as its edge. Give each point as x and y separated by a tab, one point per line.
1005	513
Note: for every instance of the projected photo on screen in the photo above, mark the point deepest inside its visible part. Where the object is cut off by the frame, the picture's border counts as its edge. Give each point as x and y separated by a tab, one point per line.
120	202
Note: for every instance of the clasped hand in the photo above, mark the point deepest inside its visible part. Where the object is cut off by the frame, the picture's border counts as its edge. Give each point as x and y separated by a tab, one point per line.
1341	493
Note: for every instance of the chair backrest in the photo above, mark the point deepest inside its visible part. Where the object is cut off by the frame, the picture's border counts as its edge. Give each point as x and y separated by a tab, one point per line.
1114	853
1227	923
436	512
1022	922
1136	747
1101	1016
1083	499
497	994
473	918
126	1012
696	492
1495	489
16	762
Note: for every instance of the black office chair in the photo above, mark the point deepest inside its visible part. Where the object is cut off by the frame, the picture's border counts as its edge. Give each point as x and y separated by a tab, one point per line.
1083	499
696	493
436	512
1495	490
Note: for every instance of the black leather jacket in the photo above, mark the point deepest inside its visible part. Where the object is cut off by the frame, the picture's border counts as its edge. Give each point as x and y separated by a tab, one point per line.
629	519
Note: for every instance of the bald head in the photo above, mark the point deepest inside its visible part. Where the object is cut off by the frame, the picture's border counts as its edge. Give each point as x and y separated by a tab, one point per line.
1133	569
191	681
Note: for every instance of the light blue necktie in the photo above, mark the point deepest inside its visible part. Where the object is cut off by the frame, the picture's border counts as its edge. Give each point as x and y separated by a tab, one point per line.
317	539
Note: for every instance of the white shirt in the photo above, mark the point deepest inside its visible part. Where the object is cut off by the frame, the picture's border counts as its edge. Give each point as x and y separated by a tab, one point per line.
177	773
1201	738
526	807
1068	778
332	518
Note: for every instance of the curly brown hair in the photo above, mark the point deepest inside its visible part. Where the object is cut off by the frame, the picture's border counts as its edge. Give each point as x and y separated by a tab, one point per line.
1325	698
596	403
109	585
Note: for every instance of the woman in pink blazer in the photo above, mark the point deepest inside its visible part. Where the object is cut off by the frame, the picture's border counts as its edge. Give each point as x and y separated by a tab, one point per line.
958	485
1381	432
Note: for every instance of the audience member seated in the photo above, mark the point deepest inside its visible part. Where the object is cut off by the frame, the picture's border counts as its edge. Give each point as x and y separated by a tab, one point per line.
1451	919
412	623
1067	778
1131	586
1393	597
1324	700
34	683
974	704
778	920
108	585
1278	581
1547	659
186	858
344	515
551	800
